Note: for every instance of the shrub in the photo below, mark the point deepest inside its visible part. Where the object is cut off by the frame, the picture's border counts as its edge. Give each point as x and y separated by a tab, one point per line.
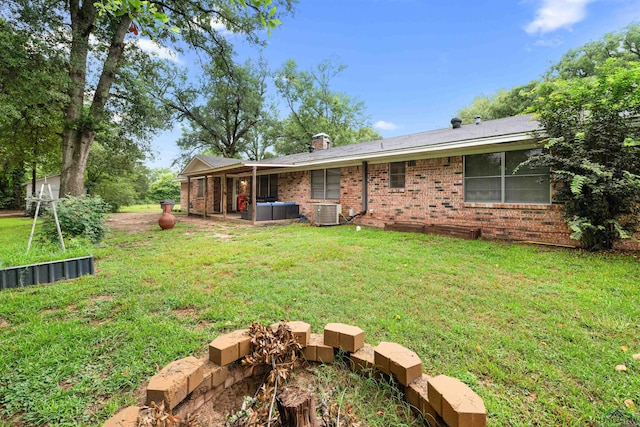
164	188
80	217
593	150
117	193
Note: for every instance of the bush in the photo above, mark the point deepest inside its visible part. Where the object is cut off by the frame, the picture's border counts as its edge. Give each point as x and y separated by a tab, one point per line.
593	150
164	188
117	193
80	217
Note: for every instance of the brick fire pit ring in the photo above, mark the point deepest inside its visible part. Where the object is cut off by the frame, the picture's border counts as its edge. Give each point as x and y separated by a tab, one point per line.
186	384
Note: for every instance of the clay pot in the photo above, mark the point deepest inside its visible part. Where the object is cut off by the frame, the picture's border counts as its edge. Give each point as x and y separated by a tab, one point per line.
167	220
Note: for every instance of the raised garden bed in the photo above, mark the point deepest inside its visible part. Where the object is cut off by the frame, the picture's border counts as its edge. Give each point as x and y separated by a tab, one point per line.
466	233
45	272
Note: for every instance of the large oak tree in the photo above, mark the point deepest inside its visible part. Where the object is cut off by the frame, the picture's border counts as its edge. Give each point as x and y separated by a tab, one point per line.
94	37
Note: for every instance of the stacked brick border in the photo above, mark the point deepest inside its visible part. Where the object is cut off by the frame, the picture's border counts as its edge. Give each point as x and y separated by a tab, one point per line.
187	384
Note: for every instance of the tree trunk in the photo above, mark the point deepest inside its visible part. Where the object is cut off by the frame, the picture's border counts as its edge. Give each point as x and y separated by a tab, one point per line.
79	131
75	151
296	408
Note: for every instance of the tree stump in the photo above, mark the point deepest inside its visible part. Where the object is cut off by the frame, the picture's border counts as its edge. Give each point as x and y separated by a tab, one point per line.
296	408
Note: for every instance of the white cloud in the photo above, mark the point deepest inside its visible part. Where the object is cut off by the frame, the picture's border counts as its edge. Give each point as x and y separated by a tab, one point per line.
154	48
555	14
548	42
382	125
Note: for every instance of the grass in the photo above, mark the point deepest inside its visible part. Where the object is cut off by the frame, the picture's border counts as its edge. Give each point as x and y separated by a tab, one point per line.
14	239
351	396
146	208
536	332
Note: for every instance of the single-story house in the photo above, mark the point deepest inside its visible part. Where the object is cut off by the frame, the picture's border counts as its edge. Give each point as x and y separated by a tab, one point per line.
31	192
460	176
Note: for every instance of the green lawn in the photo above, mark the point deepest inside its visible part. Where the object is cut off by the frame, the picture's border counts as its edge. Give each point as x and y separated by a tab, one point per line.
536	332
14	239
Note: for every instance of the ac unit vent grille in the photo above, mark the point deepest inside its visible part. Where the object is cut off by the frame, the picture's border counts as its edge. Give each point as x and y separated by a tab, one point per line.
326	213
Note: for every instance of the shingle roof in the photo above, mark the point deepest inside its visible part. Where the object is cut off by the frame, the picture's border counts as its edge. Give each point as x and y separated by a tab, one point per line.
218	162
488	132
488	129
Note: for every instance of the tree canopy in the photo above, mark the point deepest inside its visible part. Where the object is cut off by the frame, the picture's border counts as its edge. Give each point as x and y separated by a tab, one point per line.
231	111
31	85
315	108
107	72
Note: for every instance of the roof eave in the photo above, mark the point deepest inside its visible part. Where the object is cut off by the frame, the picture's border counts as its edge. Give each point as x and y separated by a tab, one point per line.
450	146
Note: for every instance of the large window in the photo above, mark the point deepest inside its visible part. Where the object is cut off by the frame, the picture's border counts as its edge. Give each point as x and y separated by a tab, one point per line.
267	186
325	184
396	175
490	178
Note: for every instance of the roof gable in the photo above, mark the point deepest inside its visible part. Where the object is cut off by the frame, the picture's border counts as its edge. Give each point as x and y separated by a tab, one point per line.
202	163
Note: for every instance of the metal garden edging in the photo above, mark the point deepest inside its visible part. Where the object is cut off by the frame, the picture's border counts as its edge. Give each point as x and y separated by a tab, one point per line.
45	272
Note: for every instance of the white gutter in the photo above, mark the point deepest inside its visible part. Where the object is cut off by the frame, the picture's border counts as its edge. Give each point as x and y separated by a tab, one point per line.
267	165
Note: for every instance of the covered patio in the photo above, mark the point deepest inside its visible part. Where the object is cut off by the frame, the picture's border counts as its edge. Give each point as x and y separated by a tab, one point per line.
229	188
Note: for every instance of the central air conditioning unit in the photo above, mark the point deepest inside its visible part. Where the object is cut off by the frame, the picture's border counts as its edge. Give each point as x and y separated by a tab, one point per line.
326	213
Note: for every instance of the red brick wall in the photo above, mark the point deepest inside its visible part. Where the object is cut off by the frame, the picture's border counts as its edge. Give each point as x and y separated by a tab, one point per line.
433	194
296	187
198	202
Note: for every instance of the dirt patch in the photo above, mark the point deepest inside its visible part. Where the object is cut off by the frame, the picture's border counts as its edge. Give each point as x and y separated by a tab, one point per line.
4	324
186	312
101	298
9	214
216	411
141	222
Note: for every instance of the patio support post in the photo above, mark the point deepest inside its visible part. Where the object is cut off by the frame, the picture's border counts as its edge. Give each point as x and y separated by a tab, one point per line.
224	196
206	188
188	195
253	195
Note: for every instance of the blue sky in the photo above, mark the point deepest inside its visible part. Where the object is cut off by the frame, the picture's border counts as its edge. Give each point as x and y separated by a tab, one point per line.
415	63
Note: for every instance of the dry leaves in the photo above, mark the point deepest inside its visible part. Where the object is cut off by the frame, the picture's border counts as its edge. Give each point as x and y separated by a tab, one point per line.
621	368
157	416
276	348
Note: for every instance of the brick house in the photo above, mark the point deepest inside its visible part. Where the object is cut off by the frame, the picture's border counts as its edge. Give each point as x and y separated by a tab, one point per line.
462	175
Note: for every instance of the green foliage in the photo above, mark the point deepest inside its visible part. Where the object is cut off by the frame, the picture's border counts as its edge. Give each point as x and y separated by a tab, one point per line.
31	95
116	192
504	103
14	237
592	148
80	217
115	170
164	188
619	48
234	111
315	108
11	191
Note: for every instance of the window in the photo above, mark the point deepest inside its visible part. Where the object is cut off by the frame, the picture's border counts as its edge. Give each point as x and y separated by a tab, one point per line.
489	178
325	184
396	175
200	187
267	186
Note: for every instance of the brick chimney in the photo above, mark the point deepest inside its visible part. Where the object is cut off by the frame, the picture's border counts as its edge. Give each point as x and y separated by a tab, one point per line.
320	141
